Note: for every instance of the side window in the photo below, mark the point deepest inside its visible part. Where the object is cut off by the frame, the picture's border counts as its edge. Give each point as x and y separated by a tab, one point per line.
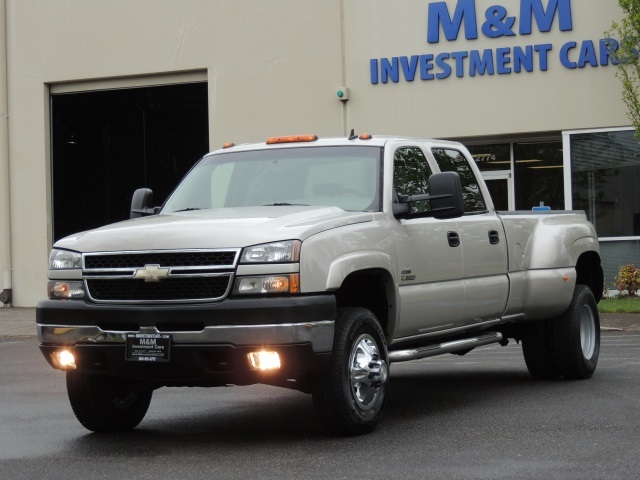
454	161
410	174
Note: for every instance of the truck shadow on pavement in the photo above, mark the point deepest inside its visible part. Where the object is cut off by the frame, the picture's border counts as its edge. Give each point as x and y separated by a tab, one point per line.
184	420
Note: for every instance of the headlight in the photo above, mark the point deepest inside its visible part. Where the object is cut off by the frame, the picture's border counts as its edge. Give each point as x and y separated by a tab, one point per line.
277	252
64	259
282	284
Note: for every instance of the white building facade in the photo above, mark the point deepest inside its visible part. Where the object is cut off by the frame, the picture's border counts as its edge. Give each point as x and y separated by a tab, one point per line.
98	98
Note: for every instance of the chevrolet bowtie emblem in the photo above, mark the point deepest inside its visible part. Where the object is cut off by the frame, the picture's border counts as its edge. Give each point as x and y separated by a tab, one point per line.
151	273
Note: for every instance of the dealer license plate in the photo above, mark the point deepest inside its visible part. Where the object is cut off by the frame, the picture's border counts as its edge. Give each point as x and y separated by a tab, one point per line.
148	347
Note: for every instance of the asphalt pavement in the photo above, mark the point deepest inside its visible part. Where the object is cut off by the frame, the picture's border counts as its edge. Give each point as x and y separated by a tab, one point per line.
479	417
21	322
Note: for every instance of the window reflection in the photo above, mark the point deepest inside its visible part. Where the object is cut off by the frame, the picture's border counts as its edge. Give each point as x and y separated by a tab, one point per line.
411	173
454	161
539	175
605	170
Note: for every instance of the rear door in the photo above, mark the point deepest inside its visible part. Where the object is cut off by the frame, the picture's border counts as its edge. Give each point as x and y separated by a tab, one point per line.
482	241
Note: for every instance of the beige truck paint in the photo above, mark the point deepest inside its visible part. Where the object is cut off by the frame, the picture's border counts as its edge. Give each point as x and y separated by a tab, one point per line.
437	289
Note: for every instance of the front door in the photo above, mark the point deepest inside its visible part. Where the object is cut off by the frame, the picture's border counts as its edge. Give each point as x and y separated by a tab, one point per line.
430	267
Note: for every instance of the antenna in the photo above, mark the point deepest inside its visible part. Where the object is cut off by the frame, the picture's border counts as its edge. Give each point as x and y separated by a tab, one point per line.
352	135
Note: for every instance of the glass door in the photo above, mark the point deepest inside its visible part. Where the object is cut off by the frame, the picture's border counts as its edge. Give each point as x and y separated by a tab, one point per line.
494	162
500	185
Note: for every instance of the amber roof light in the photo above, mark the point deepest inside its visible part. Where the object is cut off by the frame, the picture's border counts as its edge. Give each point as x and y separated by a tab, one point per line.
292	139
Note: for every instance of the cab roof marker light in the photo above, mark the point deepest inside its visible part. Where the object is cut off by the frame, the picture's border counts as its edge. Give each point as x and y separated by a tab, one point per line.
292	139
228	145
365	136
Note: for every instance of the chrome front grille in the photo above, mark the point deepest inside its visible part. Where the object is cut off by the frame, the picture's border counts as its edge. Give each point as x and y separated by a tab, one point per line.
159	276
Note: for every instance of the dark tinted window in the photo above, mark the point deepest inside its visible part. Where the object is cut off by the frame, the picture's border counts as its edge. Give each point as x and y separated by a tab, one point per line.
539	175
410	175
454	161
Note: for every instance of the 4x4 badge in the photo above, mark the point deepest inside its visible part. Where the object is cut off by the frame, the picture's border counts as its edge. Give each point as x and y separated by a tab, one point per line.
152	273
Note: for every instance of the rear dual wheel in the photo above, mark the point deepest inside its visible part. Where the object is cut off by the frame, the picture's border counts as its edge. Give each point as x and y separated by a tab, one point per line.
568	346
350	394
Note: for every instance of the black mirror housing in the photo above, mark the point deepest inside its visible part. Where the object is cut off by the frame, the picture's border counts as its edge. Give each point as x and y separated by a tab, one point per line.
400	210
142	203
445	191
444	197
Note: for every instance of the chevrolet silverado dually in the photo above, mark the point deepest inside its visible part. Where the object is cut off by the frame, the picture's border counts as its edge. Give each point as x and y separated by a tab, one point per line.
314	264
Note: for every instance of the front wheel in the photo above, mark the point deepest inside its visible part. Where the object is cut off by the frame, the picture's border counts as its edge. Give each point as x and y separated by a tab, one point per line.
106	404
350	395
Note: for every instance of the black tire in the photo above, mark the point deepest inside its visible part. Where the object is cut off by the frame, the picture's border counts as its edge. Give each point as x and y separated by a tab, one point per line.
106	404
576	336
537	347
350	395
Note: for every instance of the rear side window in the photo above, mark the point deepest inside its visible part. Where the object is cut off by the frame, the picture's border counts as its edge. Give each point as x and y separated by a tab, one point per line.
450	160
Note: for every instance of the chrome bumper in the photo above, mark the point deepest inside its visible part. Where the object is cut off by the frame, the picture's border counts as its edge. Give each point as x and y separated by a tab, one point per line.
318	334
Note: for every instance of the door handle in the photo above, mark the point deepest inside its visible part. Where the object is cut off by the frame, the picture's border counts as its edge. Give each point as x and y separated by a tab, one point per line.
494	237
454	239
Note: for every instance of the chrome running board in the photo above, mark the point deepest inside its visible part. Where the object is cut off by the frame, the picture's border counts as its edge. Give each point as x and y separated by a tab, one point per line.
446	347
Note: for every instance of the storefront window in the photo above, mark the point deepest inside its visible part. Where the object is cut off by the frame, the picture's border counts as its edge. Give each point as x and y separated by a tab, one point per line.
494	161
490	158
614	254
539	175
605	168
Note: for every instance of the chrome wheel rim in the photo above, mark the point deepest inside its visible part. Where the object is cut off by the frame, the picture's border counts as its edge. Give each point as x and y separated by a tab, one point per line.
588	332
368	372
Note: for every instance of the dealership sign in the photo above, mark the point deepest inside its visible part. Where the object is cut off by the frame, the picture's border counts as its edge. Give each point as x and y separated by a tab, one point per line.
496	22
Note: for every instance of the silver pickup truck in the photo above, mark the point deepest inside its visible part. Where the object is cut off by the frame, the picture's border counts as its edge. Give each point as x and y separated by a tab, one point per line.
313	264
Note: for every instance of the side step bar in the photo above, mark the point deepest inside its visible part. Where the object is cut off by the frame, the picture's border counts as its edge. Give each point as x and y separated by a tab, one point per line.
447	347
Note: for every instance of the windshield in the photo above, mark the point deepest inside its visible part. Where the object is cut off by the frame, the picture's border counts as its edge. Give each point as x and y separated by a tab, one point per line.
347	177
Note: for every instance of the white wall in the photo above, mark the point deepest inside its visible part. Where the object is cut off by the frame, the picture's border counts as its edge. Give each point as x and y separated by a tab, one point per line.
273	67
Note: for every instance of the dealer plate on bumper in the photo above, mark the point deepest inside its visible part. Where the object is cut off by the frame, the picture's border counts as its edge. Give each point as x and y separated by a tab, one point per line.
148	347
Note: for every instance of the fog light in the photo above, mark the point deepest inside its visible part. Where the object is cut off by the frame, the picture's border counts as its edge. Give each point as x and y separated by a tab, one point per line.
64	360
264	360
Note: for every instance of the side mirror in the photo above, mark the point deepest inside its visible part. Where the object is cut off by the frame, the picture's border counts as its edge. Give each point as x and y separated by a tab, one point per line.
142	203
445	191
444	197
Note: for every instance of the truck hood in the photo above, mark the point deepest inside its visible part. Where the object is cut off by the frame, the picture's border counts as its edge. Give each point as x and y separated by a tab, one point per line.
215	228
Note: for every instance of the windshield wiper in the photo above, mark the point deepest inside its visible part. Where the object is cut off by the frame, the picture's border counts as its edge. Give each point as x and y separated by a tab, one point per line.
284	204
189	209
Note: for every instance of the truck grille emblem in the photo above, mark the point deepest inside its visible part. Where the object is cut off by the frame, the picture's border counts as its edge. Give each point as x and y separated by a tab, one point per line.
151	273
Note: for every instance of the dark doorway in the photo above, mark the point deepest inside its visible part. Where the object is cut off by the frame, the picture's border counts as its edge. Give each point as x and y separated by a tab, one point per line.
105	144
499	191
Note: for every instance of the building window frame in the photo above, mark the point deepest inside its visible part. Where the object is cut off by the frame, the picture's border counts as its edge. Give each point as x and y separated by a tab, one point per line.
568	184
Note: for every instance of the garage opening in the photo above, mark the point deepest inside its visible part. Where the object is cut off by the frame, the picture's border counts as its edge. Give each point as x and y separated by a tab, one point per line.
107	143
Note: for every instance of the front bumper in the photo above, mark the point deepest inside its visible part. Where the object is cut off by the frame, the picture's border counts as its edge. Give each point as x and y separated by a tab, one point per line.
209	342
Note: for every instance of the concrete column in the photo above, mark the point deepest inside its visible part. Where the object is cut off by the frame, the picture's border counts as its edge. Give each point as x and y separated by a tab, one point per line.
5	215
